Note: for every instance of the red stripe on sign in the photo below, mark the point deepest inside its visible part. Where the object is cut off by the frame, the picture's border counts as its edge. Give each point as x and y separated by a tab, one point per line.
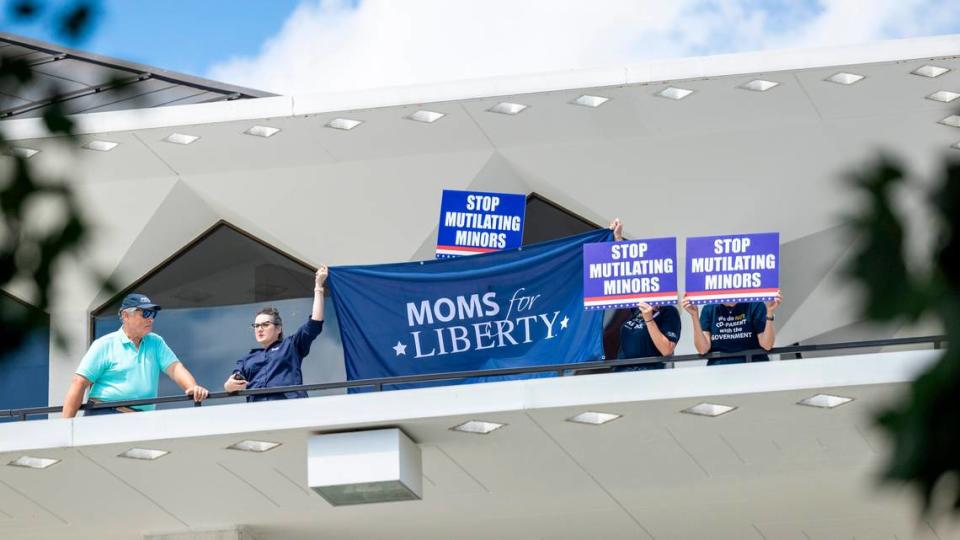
470	249
732	291
629	296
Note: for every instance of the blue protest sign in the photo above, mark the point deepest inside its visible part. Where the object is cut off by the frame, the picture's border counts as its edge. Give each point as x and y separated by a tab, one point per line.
623	274
733	268
507	309
473	222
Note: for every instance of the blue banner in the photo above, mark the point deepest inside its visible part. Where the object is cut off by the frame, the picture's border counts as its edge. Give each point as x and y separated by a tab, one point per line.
508	309
473	222
733	268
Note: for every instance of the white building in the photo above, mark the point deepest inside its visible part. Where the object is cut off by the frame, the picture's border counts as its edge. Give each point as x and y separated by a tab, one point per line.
214	227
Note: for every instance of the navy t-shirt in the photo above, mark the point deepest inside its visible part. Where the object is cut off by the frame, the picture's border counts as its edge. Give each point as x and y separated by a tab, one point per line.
734	329
635	340
279	364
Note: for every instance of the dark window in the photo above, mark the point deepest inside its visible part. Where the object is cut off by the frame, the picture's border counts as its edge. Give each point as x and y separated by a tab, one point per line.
209	293
25	372
547	220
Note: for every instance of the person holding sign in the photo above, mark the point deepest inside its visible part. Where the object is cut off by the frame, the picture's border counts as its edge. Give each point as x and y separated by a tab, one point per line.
278	361
730	328
650	330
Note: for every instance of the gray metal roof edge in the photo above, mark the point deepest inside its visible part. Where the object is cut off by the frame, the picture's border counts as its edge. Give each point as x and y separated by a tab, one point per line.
665	71
133	67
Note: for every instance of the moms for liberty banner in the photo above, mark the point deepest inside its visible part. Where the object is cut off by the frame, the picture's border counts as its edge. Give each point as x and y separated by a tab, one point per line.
507	309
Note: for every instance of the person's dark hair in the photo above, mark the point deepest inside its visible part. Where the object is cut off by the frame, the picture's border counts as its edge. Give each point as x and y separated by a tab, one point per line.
274	314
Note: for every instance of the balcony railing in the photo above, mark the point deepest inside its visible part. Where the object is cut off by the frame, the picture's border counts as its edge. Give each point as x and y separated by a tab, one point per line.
560	370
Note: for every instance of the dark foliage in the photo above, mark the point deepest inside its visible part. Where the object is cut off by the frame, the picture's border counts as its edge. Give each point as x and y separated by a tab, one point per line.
29	251
925	428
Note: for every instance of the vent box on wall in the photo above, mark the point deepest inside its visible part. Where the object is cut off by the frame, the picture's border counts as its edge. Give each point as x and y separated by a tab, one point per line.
362	467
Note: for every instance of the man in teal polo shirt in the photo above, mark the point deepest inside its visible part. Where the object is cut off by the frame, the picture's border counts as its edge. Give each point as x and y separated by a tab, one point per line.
126	364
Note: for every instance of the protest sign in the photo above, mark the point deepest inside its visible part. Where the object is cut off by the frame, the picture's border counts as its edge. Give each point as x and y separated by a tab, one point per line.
733	268
473	222
623	274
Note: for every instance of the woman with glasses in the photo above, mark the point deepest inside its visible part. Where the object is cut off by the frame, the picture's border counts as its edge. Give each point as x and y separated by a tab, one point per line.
278	359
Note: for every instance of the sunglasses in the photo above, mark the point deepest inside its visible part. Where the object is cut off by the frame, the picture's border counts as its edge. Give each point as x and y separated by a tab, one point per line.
148	313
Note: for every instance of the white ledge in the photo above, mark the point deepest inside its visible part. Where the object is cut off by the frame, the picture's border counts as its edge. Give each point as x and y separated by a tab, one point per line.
386	408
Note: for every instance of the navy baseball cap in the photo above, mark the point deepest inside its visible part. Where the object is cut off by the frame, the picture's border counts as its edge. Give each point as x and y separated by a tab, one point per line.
136	300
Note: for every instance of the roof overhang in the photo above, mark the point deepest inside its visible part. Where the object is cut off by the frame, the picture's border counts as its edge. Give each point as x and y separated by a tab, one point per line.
771	466
651	72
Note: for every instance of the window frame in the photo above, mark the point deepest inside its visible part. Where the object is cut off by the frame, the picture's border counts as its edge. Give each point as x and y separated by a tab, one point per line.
533	195
92	315
49	329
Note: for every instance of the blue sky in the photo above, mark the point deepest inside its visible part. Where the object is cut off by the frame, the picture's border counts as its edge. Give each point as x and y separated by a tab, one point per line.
180	35
305	46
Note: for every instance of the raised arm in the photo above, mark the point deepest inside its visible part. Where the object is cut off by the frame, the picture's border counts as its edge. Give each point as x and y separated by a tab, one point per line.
71	402
769	334
617	227
660	341
701	338
319	280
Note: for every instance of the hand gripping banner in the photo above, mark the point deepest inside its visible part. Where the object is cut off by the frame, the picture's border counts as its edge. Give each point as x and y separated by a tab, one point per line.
514	308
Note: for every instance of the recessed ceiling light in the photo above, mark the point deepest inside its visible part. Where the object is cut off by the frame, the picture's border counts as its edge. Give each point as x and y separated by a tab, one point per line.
930	71
708	409
593	418
143	453
100	146
673	92
506	107
759	85
22	152
344	124
590	101
824	401
845	78
478	426
425	116
944	96
254	446
952	121
180	138
33	462
262	131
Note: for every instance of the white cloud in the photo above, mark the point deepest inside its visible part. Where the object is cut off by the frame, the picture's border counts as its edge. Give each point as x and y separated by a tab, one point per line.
335	45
